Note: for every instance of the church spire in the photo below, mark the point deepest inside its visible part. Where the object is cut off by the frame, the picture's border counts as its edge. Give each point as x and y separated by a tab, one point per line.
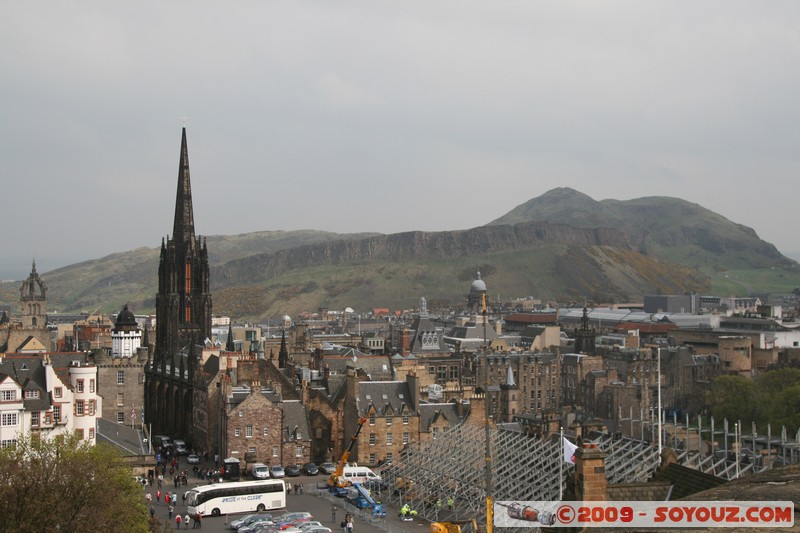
183	228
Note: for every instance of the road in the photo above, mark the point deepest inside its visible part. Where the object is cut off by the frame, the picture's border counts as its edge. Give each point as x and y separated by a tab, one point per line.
316	502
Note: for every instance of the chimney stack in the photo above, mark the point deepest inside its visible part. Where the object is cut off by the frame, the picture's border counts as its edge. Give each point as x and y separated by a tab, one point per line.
590	474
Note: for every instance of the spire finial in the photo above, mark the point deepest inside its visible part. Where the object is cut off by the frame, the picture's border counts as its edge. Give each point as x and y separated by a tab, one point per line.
184	120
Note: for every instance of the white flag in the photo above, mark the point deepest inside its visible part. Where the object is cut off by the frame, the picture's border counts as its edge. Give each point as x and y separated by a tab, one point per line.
569	451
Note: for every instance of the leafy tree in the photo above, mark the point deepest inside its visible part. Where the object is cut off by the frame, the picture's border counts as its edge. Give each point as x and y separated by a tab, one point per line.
734	398
65	484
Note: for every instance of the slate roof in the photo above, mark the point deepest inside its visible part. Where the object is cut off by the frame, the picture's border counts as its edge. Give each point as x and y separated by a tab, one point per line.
388	397
295	416
686	481
433	412
30	374
377	367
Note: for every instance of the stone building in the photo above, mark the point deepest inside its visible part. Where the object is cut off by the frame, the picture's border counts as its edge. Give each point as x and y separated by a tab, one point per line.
183	318
30	328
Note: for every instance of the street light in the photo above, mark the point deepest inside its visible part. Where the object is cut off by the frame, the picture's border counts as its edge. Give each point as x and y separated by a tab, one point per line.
659	403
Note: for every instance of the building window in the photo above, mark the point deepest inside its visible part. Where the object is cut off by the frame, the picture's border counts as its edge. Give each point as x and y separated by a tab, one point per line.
9	419
120	398
389	420
266	432
57	392
372	420
78	407
453	372
79	386
298	451
120	377
32	394
8	443
372	439
405	437
237	432
91	433
389	457
389	439
120	417
91	407
372	458
318	433
91	385
405	420
79	433
248	431
274	451
9	395
35	418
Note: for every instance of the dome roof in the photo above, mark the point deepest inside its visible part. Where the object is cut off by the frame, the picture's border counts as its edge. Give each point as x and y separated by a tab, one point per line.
478	285
125	318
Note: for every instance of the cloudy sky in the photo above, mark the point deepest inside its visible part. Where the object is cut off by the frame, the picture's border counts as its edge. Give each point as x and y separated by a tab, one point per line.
385	116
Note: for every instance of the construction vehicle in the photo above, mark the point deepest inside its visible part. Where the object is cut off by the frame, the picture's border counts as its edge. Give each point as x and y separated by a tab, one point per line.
337	482
454	526
362	499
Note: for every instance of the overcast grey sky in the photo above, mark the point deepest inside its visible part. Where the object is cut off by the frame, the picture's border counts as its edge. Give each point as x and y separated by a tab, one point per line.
385	116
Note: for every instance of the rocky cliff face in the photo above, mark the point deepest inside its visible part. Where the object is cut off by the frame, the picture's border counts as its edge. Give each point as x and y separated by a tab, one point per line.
412	246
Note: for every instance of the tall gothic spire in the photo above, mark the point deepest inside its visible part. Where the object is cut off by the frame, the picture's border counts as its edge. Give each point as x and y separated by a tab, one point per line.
183	228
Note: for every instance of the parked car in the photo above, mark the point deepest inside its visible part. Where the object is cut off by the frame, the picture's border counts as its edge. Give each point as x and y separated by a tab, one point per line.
293	518
327	468
193	459
277	471
316	529
292	471
255	525
310	469
248	519
309	524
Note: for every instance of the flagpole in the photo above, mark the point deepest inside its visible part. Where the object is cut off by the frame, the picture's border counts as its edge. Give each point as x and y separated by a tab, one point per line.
561	467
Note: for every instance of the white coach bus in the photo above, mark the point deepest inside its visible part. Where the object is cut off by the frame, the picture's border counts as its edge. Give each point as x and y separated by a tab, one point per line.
236	497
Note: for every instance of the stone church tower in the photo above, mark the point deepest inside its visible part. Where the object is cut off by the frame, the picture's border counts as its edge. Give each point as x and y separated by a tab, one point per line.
183	315
29	332
33	301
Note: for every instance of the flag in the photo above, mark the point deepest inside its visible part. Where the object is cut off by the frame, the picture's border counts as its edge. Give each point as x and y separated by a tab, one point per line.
569	451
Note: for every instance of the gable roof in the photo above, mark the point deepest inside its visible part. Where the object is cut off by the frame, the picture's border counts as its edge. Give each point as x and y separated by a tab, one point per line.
388	397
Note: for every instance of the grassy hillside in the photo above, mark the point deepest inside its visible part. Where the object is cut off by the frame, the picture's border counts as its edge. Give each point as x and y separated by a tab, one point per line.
621	251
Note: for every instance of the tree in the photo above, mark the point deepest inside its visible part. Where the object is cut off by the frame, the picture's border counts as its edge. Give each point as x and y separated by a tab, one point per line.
734	398
65	484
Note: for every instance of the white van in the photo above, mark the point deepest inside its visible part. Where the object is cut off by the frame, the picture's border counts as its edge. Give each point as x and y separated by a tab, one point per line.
359	474
259	471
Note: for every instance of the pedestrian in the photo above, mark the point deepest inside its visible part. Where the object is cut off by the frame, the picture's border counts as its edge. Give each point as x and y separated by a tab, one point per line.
148	497
349	524
174	498
170	509
302	490
450	504
344	526
183	497
288	488
186	521
199	520
178	521
152	511
333	514
158	496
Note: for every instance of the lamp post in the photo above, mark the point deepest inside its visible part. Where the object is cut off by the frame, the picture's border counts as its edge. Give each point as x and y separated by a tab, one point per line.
659	403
